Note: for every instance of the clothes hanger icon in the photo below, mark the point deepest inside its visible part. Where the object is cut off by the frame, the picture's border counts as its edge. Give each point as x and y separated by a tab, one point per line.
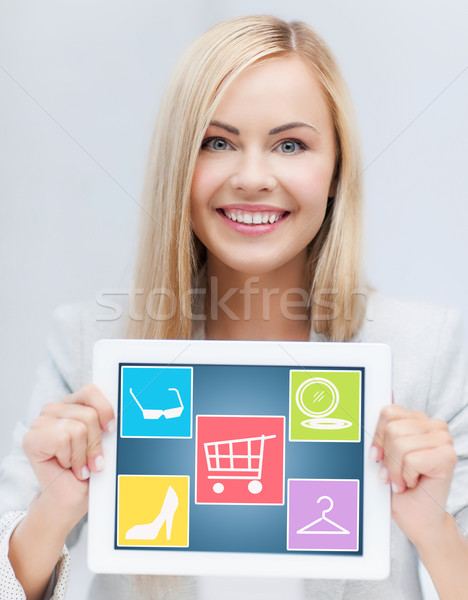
324	521
156	413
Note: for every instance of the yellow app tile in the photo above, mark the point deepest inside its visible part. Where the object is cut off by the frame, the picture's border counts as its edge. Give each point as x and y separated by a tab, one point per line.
153	510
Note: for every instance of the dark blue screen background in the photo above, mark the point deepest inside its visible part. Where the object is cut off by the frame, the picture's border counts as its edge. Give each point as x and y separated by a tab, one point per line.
242	390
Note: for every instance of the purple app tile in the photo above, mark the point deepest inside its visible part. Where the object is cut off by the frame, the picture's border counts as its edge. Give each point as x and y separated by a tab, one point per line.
323	514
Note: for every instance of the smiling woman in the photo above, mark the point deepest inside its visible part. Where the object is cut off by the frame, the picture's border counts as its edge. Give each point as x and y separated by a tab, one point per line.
251	229
265	133
238	173
259	196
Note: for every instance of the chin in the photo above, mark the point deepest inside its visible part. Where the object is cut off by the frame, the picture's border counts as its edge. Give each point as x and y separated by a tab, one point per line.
253	267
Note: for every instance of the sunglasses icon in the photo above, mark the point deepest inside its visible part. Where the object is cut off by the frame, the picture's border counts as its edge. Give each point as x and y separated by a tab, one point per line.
156	413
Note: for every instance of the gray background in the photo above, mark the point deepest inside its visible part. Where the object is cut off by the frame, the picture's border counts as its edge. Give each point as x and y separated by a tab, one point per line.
80	84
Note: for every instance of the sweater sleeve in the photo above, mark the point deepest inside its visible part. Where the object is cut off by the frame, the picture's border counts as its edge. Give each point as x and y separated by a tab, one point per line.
10	587
60	374
448	400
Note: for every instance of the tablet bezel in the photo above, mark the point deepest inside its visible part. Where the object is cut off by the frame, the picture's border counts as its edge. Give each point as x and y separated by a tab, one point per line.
375	560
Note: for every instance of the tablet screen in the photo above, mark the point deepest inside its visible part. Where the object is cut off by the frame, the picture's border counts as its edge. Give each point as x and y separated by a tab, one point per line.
240	458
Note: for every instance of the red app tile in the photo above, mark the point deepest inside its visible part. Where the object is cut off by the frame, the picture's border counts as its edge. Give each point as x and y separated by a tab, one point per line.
240	459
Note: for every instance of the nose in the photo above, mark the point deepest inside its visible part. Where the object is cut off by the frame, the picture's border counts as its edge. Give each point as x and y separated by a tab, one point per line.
253	174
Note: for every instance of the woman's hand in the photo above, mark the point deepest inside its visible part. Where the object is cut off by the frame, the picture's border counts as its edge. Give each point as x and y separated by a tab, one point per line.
64	444
417	458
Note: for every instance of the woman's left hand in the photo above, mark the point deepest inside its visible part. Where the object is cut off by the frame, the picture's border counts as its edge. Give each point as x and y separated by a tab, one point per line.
417	458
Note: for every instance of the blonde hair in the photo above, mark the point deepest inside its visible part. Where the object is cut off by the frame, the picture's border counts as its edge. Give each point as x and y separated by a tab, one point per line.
169	256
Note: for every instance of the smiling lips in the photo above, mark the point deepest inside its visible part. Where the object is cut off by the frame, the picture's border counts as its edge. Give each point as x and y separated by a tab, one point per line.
262	218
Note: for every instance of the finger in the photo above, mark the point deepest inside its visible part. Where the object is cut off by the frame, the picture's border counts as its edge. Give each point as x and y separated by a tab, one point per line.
434	463
405	437
399	450
398	429
94	457
91	396
395	423
390	414
78	440
395	430
52	439
408	427
44	441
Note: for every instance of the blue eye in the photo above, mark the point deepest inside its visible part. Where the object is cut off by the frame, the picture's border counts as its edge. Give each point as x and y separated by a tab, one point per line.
291	146
217	144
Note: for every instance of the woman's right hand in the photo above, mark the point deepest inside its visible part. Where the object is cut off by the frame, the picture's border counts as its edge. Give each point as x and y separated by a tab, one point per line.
64	445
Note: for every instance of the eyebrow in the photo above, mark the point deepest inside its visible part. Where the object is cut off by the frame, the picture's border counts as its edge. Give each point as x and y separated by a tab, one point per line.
273	131
293	125
229	128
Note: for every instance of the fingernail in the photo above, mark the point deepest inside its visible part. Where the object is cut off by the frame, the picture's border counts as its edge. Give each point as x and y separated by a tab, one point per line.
383	474
374	453
85	472
395	488
111	426
99	463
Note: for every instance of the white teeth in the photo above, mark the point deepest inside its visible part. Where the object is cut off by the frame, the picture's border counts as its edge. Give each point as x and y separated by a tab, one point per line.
252	218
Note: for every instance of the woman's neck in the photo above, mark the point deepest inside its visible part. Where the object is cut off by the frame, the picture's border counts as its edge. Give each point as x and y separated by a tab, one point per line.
271	306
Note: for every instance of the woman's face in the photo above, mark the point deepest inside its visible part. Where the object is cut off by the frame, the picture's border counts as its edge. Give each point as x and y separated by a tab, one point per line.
265	169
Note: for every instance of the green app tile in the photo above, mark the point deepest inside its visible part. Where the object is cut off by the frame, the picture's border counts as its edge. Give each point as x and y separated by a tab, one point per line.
325	405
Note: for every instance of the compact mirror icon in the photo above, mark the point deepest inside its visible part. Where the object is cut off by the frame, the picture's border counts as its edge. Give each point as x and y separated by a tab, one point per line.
318	398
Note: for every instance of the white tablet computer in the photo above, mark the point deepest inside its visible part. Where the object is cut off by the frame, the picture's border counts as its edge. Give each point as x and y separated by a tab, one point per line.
241	458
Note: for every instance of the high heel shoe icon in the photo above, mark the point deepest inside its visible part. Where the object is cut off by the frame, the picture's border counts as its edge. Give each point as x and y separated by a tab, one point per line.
150	531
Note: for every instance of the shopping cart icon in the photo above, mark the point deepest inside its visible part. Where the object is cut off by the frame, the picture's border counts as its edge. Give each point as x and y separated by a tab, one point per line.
156	413
236	459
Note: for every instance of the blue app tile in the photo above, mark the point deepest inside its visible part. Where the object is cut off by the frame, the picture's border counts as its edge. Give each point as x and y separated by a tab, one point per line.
156	402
